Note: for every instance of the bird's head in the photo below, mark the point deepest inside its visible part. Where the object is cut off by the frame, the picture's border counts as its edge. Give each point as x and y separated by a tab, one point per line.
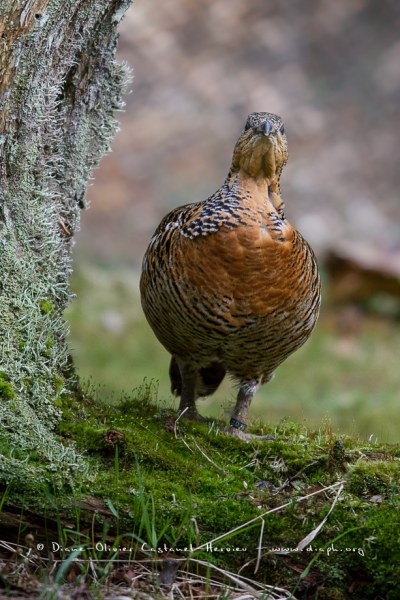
261	150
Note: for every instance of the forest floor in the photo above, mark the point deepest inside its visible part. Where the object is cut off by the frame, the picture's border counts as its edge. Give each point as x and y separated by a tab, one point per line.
174	509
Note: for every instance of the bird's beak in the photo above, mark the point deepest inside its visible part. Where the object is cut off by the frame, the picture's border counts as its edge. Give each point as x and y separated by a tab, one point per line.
266	128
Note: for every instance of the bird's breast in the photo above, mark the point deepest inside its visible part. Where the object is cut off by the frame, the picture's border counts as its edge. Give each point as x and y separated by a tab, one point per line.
244	267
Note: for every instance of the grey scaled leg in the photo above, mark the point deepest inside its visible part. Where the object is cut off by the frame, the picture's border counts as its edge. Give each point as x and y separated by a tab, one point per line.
237	427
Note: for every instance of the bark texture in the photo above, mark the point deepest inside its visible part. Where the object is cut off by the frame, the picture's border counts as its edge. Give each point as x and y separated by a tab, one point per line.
59	88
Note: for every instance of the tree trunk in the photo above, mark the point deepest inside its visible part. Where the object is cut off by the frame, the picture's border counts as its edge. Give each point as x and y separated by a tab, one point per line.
59	88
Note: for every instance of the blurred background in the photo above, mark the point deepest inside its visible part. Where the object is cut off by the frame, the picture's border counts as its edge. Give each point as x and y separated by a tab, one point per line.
332	71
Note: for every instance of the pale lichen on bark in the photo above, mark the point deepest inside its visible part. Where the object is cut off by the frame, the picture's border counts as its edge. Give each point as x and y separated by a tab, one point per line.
59	88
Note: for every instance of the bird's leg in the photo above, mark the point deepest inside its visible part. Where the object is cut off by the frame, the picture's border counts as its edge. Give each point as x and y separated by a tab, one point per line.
187	405
239	415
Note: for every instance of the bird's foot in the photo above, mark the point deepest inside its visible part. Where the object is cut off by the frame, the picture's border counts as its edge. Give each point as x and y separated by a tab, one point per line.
237	429
192	415
247	437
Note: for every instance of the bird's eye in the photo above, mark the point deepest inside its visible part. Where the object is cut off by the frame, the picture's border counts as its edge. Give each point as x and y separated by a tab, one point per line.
282	129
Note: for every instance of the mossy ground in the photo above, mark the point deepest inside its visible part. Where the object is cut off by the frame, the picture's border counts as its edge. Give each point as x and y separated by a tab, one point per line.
155	481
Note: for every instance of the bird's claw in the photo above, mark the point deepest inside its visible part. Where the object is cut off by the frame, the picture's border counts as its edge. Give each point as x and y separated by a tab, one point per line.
193	415
248	437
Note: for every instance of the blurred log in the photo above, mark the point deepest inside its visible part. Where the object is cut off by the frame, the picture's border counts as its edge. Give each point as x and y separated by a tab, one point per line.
359	271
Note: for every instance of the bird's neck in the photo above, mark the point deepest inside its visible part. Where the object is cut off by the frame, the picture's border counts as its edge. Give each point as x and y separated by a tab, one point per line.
254	189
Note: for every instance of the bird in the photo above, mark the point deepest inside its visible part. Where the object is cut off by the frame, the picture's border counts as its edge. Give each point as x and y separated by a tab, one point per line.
228	284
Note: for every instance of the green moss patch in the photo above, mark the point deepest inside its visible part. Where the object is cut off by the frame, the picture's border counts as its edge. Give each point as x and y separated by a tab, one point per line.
165	485
6	389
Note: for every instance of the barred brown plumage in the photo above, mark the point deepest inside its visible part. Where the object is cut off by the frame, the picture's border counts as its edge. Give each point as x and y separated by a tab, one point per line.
228	284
